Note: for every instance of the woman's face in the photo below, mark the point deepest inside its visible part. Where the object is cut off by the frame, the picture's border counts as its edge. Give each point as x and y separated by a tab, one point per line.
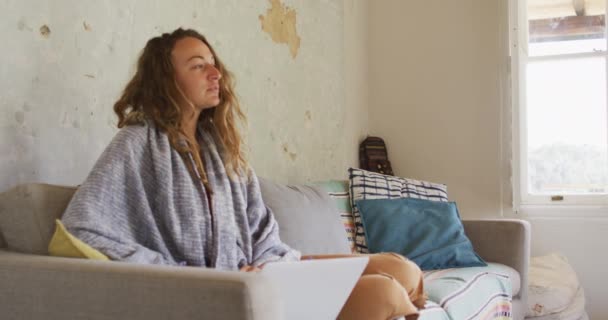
195	72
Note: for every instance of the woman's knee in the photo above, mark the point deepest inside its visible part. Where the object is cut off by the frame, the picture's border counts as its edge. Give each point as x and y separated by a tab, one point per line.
403	270
392	258
386	289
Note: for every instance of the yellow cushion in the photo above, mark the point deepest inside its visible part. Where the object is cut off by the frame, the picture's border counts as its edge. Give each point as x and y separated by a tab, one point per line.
63	244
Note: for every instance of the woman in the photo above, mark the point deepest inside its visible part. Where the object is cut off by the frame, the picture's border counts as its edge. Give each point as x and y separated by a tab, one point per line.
173	187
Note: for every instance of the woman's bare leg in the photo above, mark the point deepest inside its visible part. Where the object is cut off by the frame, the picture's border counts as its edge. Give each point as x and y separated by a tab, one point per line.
384	266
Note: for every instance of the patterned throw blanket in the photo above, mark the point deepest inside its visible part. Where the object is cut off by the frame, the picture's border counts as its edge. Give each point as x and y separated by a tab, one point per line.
140	204
474	293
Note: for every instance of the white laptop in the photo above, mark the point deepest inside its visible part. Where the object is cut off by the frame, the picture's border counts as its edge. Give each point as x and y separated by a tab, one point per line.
315	289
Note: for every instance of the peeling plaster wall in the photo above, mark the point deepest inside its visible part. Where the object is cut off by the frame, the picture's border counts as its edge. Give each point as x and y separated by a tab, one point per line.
356	75
65	63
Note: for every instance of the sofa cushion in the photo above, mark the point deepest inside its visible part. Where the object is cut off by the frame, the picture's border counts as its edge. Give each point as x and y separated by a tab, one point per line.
28	213
427	232
338	192
372	185
64	244
473	293
432	311
308	219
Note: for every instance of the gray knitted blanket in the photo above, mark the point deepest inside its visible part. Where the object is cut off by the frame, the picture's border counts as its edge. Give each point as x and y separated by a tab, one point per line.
140	204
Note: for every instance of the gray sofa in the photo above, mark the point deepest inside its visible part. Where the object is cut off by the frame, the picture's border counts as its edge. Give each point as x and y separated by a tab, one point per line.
34	285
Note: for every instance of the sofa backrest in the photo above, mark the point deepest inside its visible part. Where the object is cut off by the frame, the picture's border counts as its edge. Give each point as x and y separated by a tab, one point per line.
28	213
308	218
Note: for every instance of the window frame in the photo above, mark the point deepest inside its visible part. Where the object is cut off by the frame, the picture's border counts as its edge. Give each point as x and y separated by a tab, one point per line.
523	200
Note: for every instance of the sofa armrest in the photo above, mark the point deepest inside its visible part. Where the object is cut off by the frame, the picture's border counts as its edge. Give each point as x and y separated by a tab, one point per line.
505	241
42	287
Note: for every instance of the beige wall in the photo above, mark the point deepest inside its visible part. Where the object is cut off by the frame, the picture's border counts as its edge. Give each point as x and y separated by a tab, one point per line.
65	63
435	95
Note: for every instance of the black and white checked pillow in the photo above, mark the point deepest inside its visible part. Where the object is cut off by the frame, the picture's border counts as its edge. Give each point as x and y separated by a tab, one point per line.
372	185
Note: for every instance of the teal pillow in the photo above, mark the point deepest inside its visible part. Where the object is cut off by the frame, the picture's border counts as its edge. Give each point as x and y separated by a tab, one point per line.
429	233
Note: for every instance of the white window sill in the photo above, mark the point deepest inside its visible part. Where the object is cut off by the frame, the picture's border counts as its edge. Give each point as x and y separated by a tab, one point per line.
562	211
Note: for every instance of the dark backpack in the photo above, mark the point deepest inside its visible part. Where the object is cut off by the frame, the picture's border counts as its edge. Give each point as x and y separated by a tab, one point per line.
374	157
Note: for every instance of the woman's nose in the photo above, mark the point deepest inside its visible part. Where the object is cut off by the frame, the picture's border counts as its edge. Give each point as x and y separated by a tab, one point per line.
215	73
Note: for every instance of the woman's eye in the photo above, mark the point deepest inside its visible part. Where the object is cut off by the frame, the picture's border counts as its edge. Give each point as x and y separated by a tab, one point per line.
198	66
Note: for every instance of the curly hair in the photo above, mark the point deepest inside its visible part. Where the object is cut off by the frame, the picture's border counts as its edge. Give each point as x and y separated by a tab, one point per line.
153	94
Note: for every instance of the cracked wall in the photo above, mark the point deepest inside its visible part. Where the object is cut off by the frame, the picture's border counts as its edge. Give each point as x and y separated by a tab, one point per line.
69	60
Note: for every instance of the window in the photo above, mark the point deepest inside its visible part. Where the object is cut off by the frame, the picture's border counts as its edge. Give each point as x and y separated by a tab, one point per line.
559	72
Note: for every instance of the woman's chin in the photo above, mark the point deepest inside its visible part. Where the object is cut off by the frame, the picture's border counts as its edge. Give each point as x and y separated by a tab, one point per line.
210	105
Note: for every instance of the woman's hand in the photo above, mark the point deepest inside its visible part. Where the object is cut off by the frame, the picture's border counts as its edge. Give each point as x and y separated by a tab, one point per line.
248	268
